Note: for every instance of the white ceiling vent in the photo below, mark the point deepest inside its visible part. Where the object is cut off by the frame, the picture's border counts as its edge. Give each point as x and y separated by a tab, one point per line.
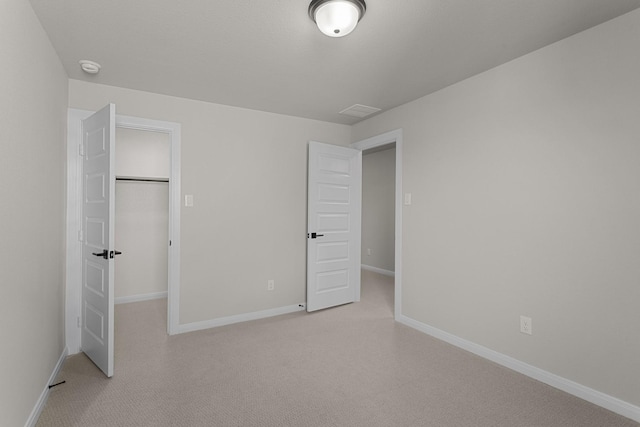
358	110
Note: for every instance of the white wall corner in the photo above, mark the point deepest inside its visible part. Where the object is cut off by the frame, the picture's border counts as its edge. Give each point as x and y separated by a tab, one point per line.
611	403
222	321
42	400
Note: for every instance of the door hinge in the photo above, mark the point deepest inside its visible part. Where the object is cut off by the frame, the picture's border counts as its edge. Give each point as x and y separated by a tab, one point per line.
80	236
81	149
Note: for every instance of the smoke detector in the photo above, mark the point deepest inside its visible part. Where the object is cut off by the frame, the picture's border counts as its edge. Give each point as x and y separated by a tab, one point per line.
89	66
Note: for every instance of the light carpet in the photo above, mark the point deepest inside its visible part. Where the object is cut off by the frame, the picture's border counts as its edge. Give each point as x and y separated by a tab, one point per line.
346	366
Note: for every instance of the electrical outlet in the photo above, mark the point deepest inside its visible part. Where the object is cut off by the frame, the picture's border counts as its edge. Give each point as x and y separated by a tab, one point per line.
525	325
368	251
271	284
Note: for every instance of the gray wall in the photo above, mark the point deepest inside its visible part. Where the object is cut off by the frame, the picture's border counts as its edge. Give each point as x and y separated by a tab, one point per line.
378	209
526	200
247	171
33	114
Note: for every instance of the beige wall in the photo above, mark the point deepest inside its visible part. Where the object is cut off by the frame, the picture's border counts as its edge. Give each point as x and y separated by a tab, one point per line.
247	171
378	208
142	229
142	153
33	111
526	200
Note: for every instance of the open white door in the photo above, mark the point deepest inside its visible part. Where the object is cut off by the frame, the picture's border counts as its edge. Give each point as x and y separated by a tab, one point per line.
98	213
333	239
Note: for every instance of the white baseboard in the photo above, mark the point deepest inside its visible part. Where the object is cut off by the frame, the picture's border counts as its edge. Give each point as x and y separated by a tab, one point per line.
378	270
598	398
221	321
141	297
42	400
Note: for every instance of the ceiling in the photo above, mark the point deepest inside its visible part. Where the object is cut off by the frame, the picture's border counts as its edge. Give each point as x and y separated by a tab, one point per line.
269	56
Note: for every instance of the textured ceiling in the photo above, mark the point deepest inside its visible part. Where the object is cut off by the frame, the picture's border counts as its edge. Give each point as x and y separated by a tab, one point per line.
268	55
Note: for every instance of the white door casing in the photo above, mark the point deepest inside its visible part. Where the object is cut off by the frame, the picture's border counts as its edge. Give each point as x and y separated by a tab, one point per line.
333	239
392	137
98	213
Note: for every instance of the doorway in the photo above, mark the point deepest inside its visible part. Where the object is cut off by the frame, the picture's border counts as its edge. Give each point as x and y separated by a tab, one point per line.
378	216
74	207
369	145
142	215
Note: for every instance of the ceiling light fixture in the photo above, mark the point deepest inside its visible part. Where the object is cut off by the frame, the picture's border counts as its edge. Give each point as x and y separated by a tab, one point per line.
89	66
337	18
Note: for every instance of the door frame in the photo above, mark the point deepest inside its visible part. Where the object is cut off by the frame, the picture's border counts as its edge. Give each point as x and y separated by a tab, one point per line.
73	294
394	136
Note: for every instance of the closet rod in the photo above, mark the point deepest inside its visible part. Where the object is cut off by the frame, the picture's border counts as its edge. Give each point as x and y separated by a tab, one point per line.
121	178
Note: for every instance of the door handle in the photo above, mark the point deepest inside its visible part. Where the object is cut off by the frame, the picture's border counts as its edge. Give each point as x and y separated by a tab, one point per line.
114	253
314	235
104	254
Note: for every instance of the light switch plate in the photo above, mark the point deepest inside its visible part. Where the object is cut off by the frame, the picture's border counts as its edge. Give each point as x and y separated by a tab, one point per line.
407	198
188	200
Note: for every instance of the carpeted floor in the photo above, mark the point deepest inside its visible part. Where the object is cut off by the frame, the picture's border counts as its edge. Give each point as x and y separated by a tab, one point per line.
347	366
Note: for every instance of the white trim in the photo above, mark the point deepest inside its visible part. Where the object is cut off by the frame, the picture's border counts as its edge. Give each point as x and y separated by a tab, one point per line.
378	141
42	400
378	270
238	318
590	395
140	297
74	195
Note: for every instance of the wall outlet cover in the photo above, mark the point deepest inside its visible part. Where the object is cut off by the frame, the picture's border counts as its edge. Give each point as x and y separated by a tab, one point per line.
525	325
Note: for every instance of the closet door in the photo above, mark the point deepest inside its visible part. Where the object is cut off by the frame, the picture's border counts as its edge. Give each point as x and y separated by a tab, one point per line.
98	214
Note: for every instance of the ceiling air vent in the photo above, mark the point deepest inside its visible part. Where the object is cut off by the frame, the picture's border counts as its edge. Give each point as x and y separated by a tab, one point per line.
359	111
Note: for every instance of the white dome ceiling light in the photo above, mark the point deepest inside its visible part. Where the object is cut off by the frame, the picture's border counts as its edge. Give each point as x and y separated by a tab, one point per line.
337	18
89	66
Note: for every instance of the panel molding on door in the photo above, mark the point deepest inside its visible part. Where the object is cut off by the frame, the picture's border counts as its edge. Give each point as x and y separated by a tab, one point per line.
333	238
98	209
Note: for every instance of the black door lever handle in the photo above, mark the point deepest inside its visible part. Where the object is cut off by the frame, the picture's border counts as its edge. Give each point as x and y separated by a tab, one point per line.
104	254
314	235
114	253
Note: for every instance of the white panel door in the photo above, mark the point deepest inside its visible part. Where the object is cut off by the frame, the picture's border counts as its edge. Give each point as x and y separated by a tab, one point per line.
98	214
333	239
